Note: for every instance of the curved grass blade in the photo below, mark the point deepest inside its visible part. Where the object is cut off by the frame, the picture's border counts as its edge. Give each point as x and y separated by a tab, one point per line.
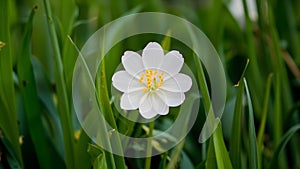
253	161
109	157
223	160
222	157
264	119
102	97
9	154
82	157
27	84
211	160
176	153
254	70
98	157
8	112
63	103
285	139
235	139
105	106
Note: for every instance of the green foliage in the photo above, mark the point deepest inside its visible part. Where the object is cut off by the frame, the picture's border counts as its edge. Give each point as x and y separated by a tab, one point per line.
8	114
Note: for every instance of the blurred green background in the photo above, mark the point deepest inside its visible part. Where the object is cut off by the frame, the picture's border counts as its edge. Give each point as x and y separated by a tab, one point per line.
259	129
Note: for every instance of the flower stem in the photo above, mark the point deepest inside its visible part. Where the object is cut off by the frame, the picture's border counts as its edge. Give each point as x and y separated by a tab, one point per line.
149	146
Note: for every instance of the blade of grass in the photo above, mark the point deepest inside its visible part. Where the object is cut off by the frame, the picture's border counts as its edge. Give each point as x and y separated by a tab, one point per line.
63	104
67	13
263	120
8	114
292	30
235	139
104	139
279	66
283	142
211	160
223	160
9	154
283	96
163	162
188	107
254	70
105	106
30	100
98	157
48	108
81	146
253	161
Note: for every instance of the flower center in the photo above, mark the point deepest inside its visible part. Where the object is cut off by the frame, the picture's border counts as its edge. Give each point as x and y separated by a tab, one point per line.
153	79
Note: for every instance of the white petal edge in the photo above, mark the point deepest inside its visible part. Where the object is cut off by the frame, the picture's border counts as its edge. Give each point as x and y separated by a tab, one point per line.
132	63
131	101
149	114
172	99
152	55
159	105
178	83
124	82
172	63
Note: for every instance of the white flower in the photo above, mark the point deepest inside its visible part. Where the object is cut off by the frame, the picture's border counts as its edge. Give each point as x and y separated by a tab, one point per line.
151	82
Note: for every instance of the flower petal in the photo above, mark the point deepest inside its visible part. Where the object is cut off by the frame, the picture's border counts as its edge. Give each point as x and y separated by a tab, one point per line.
178	83
146	104
152	55
149	114
172	63
159	105
131	101
125	103
132	63
172	99
124	82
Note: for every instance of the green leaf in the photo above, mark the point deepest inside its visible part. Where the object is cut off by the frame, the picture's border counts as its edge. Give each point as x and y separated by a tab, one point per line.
27	84
185	161
235	138
97	156
105	106
82	156
264	119
99	163
201	165
50	113
283	142
222	156
254	71
187	106
8	114
211	160
166	42
253	161
63	103
9	153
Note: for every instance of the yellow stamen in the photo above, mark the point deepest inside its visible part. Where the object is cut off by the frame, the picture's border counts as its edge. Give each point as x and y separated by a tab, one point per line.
154	79
142	77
